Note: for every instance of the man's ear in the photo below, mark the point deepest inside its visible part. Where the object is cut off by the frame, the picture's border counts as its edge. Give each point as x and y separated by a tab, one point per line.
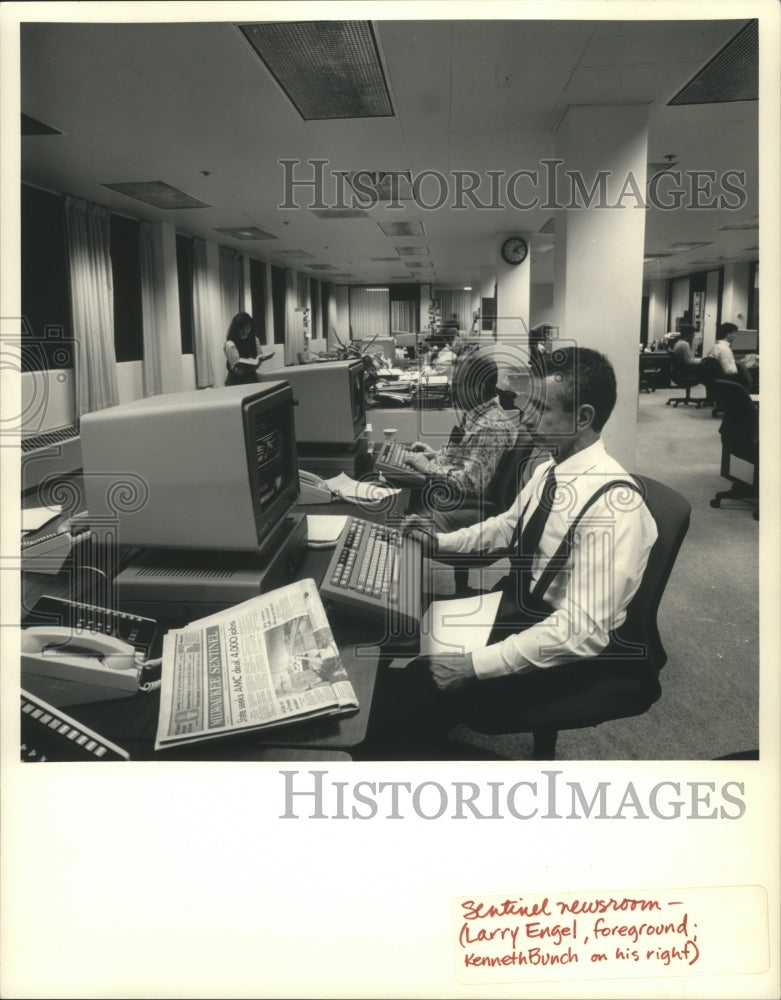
585	416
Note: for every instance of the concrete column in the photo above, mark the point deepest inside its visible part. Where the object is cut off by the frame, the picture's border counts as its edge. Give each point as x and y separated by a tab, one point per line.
734	299
487	282
512	295
599	248
167	305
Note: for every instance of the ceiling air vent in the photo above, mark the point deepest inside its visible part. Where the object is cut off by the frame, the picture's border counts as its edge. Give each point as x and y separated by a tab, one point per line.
327	69
322	267
381	185
413	251
158	193
295	254
731	75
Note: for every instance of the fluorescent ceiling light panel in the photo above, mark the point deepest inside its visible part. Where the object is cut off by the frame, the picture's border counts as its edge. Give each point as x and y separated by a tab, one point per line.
340	213
694	245
31	126
246	233
158	193
327	69
412	228
413	251
294	254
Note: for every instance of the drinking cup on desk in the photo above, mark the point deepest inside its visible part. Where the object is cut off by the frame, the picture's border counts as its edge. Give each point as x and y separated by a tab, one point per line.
390	434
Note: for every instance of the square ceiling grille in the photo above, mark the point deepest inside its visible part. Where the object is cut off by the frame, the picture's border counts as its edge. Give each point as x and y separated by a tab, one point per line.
412	228
731	75
158	193
327	69
246	233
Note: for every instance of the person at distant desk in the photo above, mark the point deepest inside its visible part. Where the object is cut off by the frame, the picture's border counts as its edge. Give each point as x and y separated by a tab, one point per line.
469	460
560	603
242	349
722	349
682	349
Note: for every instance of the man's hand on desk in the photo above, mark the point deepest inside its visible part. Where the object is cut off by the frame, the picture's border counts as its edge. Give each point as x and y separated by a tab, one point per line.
451	671
419	463
422	529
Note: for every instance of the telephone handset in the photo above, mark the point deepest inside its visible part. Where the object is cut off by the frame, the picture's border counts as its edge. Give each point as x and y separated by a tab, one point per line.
67	666
314	490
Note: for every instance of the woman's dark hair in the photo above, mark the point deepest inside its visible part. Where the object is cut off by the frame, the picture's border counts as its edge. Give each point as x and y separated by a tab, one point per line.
725	330
239	321
587	377
475	379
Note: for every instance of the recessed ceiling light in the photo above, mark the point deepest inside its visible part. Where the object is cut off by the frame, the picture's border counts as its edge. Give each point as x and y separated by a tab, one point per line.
245	233
158	193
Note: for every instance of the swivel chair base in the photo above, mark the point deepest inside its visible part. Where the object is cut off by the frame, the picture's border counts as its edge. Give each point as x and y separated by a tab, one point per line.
739	491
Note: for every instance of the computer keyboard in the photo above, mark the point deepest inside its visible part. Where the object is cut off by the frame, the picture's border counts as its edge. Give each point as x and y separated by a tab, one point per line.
377	573
48	733
390	462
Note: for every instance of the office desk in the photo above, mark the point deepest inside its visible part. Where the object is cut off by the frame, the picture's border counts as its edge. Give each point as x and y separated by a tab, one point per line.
132	722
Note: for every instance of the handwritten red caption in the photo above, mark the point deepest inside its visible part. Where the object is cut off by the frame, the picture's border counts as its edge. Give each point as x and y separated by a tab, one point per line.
607	935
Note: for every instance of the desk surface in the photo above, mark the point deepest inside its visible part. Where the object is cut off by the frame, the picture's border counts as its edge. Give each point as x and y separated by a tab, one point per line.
132	722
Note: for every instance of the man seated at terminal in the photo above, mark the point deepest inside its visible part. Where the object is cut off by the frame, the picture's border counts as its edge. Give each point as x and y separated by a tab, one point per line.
467	464
560	602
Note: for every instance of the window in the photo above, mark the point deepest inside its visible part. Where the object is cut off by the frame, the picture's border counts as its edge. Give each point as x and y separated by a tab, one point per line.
46	331
278	296
184	267
126	276
257	282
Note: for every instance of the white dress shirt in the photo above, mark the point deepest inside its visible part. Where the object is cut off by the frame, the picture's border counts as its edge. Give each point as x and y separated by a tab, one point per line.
723	354
591	593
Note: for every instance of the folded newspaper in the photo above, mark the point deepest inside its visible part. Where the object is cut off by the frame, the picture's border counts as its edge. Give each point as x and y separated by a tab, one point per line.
269	661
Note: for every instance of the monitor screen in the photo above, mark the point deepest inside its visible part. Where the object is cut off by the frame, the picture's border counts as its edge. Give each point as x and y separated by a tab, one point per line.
211	469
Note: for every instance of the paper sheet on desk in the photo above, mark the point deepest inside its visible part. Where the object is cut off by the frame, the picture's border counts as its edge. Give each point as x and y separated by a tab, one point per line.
34	518
349	489
460	625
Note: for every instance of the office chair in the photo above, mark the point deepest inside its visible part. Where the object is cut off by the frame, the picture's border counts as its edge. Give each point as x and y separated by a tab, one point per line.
602	688
739	439
685	377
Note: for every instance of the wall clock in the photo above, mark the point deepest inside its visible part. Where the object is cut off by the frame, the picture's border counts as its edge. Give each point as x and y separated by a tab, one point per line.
514	250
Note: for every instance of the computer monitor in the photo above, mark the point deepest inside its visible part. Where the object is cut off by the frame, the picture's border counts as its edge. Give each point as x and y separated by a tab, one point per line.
211	469
745	342
330	403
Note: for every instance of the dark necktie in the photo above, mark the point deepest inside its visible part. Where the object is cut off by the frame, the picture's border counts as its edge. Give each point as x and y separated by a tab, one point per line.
516	588
532	530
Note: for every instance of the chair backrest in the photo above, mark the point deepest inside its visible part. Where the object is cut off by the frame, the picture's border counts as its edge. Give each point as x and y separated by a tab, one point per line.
740	427
710	370
671	512
681	373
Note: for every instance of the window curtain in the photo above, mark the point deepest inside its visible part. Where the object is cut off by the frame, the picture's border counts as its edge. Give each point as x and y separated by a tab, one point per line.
230	284
295	285
403	317
92	304
369	313
152	321
459	303
208	335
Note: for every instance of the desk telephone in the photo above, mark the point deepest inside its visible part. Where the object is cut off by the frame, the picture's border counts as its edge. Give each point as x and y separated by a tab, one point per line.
67	666
314	490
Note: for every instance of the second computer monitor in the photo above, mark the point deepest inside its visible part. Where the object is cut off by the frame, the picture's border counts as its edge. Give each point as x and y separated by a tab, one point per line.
330	406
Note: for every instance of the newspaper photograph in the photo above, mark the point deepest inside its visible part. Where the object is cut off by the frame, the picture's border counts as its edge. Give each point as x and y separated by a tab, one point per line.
267	661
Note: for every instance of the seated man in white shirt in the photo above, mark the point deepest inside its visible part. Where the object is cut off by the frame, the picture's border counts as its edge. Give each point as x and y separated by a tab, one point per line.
560	603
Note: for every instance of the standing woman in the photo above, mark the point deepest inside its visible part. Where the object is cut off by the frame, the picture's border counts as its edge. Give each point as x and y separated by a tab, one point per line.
242	351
